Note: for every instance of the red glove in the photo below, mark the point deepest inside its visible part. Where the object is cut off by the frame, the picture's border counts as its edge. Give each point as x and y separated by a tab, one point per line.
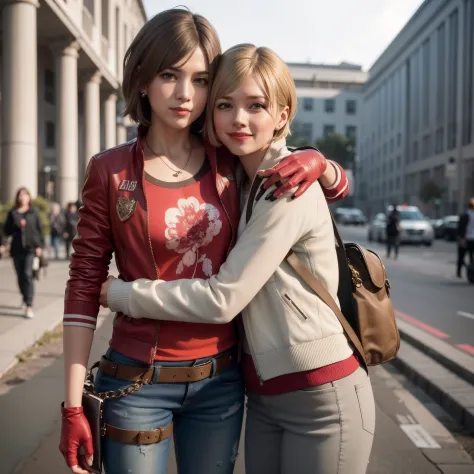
302	167
75	432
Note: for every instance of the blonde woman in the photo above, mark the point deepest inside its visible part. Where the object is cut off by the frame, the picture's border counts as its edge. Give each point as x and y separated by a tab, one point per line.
310	403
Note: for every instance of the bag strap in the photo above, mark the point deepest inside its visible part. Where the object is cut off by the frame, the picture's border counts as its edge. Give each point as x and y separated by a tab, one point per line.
303	271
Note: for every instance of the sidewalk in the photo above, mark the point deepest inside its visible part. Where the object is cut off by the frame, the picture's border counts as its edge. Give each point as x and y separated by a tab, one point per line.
18	333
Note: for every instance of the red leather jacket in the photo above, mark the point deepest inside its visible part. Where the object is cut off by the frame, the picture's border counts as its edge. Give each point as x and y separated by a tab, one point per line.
114	220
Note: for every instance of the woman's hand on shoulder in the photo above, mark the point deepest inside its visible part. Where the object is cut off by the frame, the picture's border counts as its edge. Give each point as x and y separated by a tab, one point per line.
300	169
104	289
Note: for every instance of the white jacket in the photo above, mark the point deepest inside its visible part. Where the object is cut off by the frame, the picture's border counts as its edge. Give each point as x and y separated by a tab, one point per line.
288	328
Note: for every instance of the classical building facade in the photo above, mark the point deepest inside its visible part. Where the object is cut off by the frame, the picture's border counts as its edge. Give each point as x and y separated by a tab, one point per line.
416	124
328	99
61	72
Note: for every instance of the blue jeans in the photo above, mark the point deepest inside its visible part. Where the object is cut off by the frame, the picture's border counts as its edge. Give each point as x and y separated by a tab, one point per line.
207	417
55	242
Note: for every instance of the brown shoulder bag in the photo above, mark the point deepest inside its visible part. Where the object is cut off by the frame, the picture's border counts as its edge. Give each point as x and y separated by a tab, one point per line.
366	313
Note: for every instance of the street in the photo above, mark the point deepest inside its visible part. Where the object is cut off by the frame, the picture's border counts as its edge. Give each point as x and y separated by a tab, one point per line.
413	434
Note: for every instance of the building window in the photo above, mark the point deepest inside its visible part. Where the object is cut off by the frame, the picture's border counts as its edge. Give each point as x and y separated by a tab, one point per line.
329	105
50	138
397	183
426	146
306	131
415	151
327	129
308	104
351	107
399	162
425	92
392	145
452	79
351	131
399	140
439	141
49	86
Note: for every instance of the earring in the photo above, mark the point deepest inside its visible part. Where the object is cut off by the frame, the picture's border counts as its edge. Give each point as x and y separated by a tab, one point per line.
143	94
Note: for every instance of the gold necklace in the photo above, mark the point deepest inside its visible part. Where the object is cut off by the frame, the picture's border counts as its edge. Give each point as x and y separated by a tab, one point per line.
176	172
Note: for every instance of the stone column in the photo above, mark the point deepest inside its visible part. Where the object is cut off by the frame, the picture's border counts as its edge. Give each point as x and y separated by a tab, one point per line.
67	122
19	136
110	120
91	116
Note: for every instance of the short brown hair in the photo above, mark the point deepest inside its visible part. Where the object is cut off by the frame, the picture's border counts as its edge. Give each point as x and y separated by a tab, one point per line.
17	196
267	68
166	39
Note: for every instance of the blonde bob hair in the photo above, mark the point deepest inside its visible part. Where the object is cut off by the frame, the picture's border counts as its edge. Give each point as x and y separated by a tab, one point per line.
270	72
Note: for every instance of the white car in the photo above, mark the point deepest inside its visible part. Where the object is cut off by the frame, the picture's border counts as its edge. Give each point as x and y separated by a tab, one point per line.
377	228
415	228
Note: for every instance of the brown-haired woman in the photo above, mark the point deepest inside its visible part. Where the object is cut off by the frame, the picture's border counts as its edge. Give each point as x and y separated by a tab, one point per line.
24	226
167	205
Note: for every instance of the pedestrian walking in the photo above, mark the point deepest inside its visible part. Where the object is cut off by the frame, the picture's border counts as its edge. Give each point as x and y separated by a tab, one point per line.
71	226
57	223
164	204
393	231
24	226
310	403
466	237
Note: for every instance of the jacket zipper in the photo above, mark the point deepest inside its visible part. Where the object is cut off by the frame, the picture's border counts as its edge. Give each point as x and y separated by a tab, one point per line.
303	316
152	254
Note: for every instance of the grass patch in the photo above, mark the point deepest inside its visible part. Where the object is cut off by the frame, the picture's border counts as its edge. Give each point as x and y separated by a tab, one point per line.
46	338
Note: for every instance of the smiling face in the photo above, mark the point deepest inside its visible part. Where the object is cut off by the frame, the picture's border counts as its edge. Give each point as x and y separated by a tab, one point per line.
245	121
178	94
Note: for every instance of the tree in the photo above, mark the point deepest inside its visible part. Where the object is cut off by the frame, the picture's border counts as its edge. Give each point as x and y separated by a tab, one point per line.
430	190
340	148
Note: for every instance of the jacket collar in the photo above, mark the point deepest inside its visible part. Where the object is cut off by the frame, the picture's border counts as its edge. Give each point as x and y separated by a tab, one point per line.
274	154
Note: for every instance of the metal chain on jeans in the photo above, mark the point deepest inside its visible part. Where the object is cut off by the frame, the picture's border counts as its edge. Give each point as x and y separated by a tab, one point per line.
119	393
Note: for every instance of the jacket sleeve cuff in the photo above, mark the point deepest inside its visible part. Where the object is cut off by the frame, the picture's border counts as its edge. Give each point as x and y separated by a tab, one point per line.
118	296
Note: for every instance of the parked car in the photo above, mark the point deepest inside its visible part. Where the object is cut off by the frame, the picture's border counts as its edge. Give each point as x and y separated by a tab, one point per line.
377	227
415	228
350	216
450	228
438	227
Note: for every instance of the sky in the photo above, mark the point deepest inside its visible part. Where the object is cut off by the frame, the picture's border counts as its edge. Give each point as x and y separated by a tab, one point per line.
317	31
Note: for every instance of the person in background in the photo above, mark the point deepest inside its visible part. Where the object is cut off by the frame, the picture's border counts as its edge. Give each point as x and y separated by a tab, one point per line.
466	236
393	231
57	224
71	226
24	226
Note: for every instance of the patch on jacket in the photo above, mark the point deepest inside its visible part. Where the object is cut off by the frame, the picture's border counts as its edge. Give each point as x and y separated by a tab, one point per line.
127	185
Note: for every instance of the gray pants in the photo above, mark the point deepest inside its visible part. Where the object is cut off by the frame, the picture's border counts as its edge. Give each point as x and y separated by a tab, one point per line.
326	429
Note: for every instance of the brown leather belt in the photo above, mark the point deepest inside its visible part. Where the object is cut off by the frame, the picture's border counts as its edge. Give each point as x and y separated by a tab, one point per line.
132	373
137	437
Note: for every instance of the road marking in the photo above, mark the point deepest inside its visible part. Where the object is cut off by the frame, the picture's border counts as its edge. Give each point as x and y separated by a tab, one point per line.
420	437
465	314
466	347
421	325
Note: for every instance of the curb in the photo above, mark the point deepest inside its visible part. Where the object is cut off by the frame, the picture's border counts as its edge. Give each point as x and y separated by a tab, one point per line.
450	391
455	360
23	335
